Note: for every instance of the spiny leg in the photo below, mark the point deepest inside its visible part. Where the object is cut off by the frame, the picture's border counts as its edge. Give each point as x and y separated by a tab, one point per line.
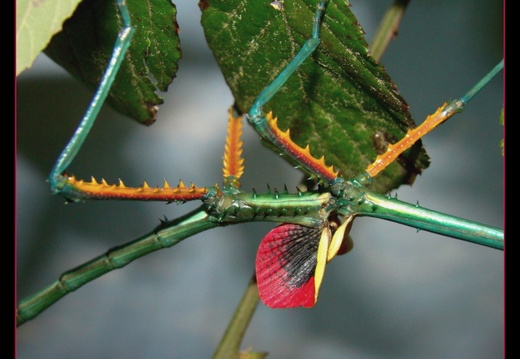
292	277
93	189
57	180
266	126
278	286
233	163
384	207
75	189
442	114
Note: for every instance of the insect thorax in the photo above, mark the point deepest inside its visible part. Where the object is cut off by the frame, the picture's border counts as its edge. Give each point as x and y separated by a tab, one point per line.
306	208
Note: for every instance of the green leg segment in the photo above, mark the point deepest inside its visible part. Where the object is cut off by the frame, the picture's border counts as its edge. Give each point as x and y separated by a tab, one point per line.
432	221
166	235
56	179
255	113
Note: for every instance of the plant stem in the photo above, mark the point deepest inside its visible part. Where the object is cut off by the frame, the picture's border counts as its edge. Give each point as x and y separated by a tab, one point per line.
388	28
229	346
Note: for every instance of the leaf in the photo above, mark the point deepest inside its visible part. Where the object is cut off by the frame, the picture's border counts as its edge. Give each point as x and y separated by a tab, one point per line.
340	101
36	22
85	45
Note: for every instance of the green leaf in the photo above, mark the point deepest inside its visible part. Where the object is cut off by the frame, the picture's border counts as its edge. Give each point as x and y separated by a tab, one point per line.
340	101
85	45
36	22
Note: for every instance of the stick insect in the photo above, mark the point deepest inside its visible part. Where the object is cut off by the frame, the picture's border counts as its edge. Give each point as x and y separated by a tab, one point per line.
201	249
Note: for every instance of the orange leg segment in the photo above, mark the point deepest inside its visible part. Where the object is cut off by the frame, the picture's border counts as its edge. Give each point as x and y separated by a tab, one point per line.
394	150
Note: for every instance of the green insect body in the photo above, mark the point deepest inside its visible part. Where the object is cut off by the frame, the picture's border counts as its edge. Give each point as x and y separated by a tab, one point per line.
305	208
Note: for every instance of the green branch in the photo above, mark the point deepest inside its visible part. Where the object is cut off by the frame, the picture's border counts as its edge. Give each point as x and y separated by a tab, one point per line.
388	28
229	346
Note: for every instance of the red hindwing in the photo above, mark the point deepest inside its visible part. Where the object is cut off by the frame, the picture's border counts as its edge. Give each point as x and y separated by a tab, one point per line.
285	266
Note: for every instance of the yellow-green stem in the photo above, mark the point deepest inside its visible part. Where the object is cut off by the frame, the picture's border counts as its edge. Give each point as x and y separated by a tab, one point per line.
229	346
388	28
